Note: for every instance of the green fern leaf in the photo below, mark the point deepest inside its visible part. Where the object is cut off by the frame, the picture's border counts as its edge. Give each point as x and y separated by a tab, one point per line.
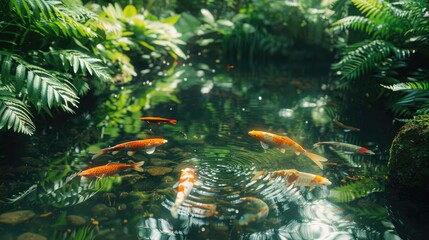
356	23
78	62
355	190
14	114
408	86
364	56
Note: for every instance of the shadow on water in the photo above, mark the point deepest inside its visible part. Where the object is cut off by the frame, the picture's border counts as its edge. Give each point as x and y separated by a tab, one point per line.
215	109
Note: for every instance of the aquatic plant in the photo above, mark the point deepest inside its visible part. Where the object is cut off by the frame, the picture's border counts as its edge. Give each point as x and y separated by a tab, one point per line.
65	192
355	190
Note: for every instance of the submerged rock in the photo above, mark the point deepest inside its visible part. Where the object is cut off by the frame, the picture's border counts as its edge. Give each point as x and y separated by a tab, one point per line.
407	187
158	171
16	216
30	236
76	220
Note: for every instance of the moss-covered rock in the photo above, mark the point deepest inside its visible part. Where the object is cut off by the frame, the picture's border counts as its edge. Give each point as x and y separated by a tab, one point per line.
409	155
407	187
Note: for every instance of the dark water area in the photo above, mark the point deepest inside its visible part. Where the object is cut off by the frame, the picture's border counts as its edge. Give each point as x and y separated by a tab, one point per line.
215	108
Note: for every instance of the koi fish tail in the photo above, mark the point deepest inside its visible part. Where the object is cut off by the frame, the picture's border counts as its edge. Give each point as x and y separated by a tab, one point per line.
317	159
173	211
98	153
137	166
172	121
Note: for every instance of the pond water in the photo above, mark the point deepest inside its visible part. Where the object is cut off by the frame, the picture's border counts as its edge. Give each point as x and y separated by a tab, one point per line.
234	196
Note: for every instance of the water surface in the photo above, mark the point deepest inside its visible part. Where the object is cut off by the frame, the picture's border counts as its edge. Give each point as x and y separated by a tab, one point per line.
215	109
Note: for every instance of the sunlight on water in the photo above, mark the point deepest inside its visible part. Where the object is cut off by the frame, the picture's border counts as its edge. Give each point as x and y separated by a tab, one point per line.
235	194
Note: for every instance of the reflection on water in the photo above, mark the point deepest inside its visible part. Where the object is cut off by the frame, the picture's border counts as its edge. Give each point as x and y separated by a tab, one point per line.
214	110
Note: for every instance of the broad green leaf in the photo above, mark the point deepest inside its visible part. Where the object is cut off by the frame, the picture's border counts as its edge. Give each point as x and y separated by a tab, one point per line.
171	20
207	16
130	11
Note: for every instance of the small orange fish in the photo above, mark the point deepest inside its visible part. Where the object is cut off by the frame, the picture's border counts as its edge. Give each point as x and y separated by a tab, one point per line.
110	169
178	62
186	183
158	120
229	67
282	142
149	145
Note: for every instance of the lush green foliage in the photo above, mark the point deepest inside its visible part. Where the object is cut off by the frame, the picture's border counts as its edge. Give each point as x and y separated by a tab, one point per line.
51	53
36	70
393	53
263	29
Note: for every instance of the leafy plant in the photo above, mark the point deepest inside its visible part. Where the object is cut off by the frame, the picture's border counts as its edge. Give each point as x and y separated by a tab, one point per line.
355	190
390	54
37	70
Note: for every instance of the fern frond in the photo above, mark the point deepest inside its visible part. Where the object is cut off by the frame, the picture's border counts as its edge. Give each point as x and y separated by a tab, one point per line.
43	89
49	17
380	11
364	57
14	114
356	23
408	86
77	62
355	190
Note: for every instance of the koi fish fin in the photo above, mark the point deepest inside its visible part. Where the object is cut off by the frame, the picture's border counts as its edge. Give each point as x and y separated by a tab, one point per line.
172	121
258	175
264	145
150	150
137	166
297	153
98	153
175	185
282	150
173	211
115	152
131	153
316	158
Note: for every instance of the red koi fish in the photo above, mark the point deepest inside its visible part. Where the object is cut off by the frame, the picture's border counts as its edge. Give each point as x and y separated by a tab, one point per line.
282	142
347	147
149	145
297	178
158	120
186	183
110	169
229	67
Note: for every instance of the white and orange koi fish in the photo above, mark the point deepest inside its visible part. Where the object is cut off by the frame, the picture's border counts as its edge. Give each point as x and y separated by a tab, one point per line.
282	142
148	145
186	183
261	212
347	147
301	179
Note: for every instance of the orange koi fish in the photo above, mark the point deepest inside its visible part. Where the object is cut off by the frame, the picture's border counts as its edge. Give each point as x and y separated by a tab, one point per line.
346	127
297	178
186	183
110	169
261	213
158	120
149	145
347	147
229	67
282	142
